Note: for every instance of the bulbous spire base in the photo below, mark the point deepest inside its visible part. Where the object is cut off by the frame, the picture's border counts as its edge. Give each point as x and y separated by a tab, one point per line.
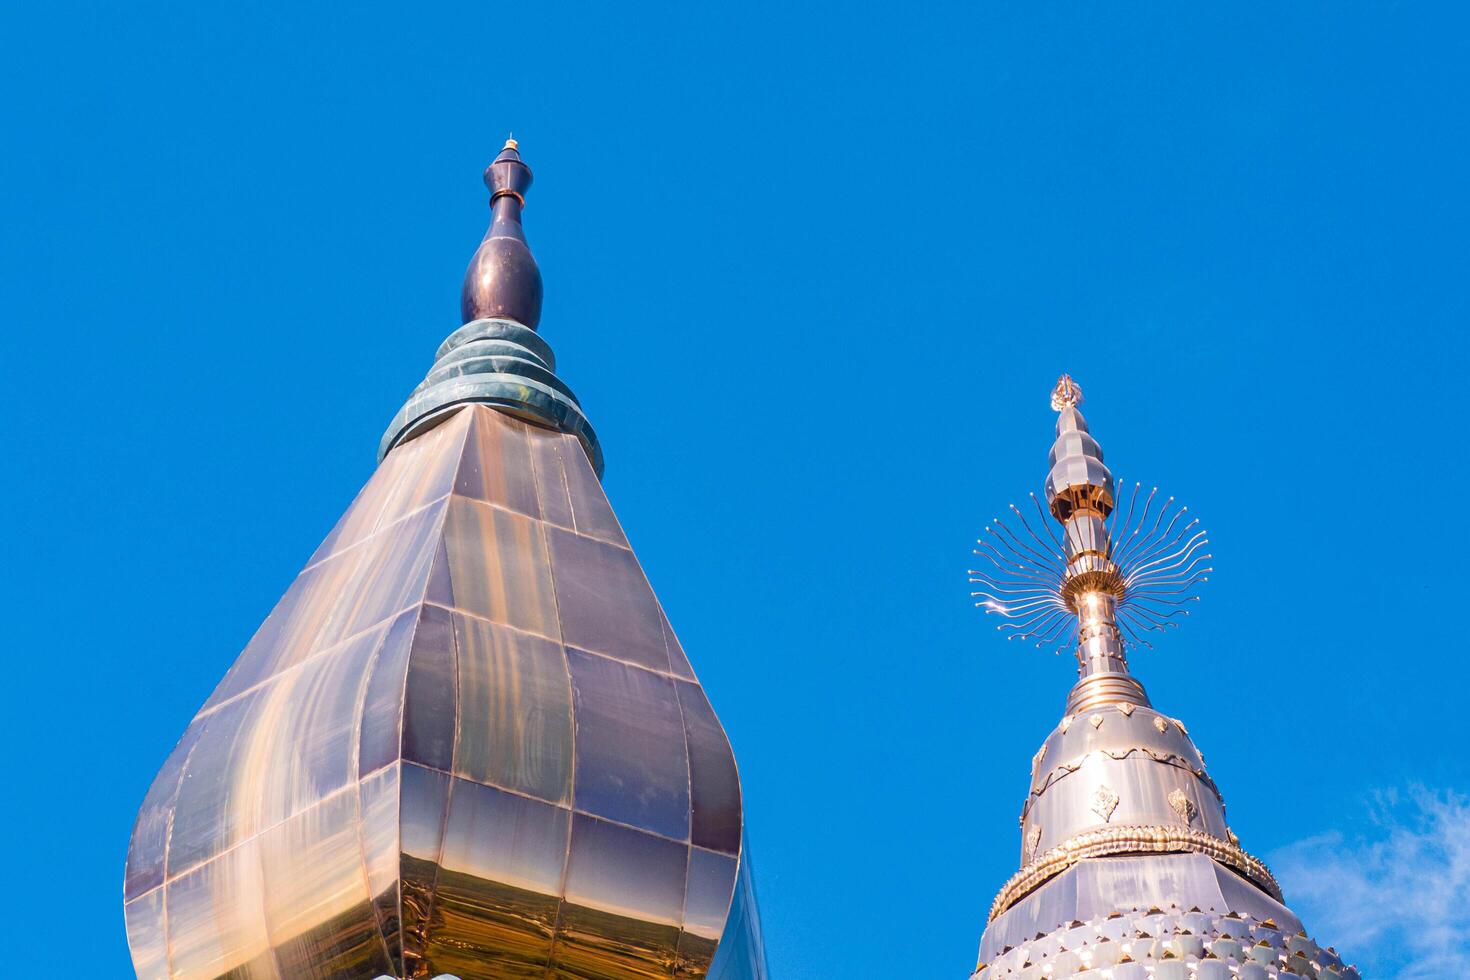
503	280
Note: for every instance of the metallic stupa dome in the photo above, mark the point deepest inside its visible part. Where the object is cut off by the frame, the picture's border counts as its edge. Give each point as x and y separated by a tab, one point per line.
467	740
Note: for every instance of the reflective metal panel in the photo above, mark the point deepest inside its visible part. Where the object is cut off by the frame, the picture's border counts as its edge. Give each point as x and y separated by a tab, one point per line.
319	916
211	813
466	742
424	798
304	731
624	902
551	477
499	885
216	919
592	515
515	729
605	602
632	762
146	935
707	895
428	701
381	723
393	573
377	797
742	951
150	834
714	787
498	567
496	466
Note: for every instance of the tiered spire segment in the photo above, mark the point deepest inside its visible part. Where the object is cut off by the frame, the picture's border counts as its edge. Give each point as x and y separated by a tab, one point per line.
1079	494
1098	585
497	358
1228	932
1078	481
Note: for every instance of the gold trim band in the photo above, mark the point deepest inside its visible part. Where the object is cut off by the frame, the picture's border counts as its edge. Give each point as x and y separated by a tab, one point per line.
1129	840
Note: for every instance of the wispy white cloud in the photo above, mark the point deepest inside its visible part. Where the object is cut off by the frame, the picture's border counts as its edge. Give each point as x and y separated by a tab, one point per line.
1395	899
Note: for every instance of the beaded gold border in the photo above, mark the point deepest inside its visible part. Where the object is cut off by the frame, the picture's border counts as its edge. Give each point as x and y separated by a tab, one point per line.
1129	840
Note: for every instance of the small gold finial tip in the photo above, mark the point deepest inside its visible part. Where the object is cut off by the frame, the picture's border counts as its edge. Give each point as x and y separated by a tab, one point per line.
510	143
1067	394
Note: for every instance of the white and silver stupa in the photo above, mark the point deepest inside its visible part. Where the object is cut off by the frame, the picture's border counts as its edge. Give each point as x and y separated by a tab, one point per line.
1128	867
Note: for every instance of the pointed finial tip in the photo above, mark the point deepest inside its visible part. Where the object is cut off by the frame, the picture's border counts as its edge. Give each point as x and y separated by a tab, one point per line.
1066	394
509	153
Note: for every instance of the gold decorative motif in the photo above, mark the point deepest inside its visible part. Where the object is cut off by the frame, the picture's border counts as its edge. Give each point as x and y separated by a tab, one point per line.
1037	759
1067	394
1043	783
1096	721
1161	724
1066	723
1033	837
1086	592
1130	840
1104	802
1183	806
1231	834
1127	707
1180	725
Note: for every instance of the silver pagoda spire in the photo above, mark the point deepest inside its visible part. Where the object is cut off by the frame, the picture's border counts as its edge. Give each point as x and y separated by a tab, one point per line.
1129	869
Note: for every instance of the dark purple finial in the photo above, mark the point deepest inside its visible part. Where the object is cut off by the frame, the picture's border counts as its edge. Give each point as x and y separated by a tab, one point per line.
503	280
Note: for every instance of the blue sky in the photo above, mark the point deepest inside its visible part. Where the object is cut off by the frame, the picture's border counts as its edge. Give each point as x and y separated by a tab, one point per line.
812	271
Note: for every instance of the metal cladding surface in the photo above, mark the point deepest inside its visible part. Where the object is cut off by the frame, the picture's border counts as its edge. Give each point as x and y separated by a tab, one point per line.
466	741
1120	765
1128	867
1096	922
